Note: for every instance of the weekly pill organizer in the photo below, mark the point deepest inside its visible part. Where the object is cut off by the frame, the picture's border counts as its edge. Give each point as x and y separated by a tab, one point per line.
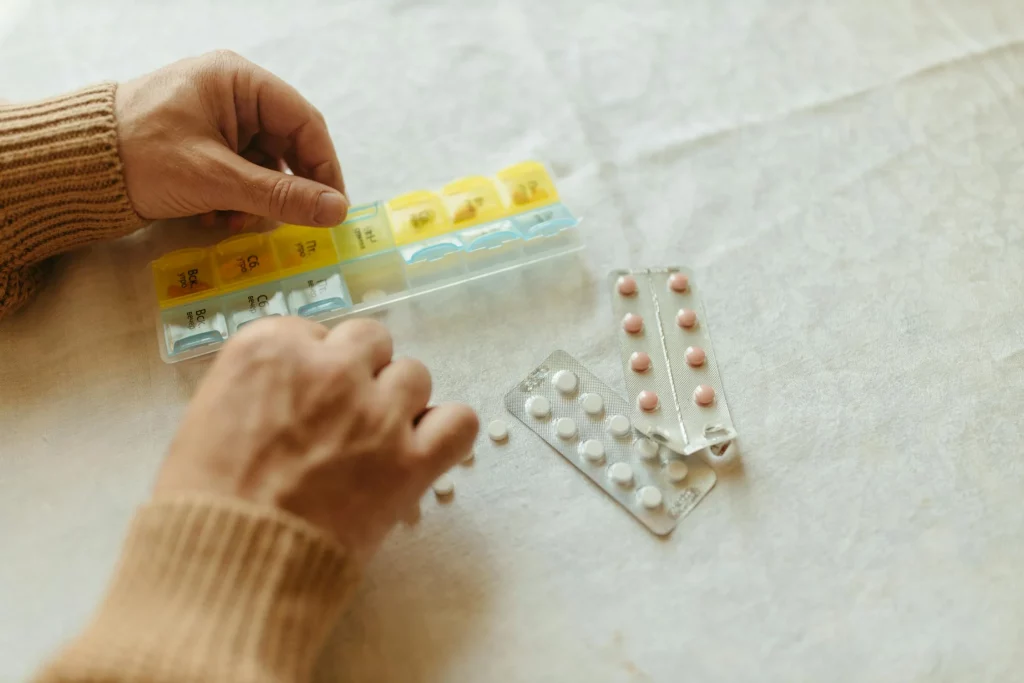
383	253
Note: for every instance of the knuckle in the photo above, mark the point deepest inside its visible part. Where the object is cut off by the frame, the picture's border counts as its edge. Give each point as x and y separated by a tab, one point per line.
373	417
343	371
421	375
368	328
223	57
281	194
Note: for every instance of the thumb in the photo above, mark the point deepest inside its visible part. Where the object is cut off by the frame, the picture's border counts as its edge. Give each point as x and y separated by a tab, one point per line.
261	191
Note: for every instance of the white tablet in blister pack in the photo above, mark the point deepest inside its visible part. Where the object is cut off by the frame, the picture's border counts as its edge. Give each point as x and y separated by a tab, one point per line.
580	417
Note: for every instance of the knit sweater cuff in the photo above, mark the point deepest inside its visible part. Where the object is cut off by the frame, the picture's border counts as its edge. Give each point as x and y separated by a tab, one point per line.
213	589
61	183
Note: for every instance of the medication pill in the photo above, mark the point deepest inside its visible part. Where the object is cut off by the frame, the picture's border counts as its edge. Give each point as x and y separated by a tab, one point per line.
704	395
565	427
565	381
373	295
593	404
678	282
632	323
627	285
538	406
593	450
686	318
647	400
676	470
640	361
621	473
497	430
648	448
695	356
444	485
619	425
650	497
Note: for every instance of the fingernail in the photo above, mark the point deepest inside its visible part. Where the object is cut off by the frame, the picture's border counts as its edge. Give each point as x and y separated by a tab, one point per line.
330	208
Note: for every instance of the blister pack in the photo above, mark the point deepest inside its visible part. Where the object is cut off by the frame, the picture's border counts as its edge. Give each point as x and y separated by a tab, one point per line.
583	419
675	391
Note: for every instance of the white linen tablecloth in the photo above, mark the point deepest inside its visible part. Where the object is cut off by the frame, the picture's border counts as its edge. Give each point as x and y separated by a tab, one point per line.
847	180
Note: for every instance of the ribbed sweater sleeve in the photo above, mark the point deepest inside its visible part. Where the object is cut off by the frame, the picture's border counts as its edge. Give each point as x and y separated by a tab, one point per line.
61	185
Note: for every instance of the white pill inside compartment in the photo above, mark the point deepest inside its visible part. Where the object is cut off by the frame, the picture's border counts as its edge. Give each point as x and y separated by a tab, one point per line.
618	425
592	451
538	406
565	427
565	381
621	473
593	404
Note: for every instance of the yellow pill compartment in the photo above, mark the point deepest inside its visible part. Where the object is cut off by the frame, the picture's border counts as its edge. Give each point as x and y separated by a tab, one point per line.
312	282
527	185
247	271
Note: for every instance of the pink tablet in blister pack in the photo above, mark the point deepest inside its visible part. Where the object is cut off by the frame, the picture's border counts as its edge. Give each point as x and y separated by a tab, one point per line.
580	417
672	381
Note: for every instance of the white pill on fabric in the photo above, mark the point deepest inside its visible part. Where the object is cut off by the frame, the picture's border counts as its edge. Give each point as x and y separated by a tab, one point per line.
593	404
497	430
443	485
649	497
621	473
676	470
538	406
565	381
619	425
648	448
565	427
593	450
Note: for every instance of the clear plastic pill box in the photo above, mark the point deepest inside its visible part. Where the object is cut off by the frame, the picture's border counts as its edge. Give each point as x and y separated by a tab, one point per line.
383	253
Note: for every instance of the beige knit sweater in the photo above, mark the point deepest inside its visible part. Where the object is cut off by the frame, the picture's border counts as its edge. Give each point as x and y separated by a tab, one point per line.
206	589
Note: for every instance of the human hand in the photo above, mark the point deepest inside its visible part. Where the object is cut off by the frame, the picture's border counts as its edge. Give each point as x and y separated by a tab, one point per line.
322	424
213	133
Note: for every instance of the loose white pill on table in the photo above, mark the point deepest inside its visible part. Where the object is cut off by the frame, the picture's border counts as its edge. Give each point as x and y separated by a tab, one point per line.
565	381
593	450
443	485
565	427
538	406
649	497
593	404
619	425
497	430
648	448
676	470
621	473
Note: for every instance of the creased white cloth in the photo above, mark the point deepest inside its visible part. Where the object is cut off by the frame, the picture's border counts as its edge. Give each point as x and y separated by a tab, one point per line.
847	180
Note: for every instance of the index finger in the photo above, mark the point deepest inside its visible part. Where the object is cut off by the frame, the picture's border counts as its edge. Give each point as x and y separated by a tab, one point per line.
283	112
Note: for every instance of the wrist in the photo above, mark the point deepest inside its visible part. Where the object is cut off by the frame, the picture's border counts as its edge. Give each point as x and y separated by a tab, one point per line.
222	586
63	182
